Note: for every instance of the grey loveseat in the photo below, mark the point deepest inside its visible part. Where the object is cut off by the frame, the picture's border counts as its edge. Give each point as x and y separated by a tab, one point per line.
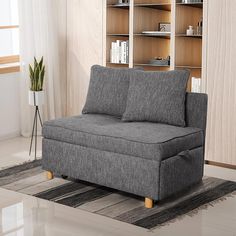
147	158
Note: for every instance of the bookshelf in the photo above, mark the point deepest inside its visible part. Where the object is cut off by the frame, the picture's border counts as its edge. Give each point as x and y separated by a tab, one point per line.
130	21
117	28
188	49
147	16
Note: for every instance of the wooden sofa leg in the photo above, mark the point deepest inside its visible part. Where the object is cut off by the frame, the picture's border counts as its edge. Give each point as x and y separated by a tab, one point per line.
148	203
49	175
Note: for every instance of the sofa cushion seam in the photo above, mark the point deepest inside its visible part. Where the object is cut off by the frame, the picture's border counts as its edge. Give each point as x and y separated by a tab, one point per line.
108	136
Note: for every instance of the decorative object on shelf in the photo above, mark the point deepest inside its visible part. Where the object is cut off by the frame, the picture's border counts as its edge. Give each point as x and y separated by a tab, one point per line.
122	3
189	31
164	27
199	28
119	52
36	96
196	85
159	61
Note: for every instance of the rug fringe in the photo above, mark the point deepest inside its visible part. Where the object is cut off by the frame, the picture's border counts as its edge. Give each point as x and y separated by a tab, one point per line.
196	210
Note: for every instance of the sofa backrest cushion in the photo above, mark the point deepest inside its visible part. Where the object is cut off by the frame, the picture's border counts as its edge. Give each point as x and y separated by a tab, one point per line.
108	89
196	110
157	97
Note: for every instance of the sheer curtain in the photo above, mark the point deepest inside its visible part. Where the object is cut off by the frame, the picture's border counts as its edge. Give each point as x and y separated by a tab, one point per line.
43	33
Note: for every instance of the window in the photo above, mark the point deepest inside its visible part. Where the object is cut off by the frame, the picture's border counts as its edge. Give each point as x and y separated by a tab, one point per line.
9	36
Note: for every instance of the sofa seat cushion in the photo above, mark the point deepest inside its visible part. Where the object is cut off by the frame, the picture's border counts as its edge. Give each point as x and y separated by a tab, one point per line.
148	140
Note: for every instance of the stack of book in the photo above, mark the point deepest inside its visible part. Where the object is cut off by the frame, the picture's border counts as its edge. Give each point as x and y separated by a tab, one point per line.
196	85
119	52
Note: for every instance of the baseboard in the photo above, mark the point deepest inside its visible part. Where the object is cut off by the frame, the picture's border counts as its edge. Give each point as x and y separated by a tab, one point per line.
10	135
224	165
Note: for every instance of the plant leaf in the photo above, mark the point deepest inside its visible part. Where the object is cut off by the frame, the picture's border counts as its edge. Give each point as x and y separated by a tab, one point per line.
36	77
31	77
41	75
35	63
41	63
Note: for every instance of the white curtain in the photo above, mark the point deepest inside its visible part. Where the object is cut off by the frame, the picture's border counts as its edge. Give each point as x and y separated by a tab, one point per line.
43	33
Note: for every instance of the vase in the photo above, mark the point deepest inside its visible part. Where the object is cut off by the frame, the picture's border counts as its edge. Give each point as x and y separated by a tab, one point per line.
36	98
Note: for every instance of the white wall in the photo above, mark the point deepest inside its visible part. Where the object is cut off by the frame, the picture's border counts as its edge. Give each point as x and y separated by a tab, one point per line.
9	106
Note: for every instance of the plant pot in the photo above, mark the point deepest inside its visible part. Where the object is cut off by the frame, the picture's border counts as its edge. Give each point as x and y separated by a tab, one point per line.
36	98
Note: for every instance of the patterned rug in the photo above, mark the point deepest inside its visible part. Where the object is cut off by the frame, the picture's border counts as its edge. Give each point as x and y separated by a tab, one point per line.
29	178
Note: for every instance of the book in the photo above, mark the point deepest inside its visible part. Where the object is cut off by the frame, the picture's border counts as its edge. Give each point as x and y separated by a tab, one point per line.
119	52
113	51
127	51
123	52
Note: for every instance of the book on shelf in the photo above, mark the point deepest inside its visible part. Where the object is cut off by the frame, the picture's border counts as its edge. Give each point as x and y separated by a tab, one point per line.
196	85
119	52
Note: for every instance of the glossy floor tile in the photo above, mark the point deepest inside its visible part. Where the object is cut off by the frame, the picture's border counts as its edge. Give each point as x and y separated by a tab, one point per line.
16	151
24	215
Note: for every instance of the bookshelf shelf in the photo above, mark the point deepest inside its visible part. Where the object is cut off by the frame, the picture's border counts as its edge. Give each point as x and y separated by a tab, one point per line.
118	35
125	7
188	67
160	6
189	36
151	65
117	63
195	4
153	35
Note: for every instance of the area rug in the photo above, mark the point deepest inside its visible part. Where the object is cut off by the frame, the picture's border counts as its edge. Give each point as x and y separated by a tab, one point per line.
29	178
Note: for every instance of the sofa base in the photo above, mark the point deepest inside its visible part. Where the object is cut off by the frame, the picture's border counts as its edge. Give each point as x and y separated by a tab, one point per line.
147	178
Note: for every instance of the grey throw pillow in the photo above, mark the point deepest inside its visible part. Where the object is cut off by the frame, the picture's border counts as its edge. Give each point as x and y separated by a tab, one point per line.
157	97
108	89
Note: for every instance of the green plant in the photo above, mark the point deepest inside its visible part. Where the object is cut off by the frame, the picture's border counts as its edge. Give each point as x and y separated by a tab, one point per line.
37	73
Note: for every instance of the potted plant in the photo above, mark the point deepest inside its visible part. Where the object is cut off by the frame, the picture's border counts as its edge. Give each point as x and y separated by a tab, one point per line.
37	73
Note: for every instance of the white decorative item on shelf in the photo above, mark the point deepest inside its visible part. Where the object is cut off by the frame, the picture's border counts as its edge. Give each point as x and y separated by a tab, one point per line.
36	98
190	30
196	85
164	27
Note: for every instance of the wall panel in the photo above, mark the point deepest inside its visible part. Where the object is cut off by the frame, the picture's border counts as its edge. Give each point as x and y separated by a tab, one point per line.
220	82
84	48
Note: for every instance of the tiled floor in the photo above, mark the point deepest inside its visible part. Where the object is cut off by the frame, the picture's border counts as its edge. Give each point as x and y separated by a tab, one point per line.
16	151
24	215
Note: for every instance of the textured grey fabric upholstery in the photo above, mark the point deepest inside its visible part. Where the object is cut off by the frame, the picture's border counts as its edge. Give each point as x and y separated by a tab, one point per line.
142	139
157	97
127	173
108	89
180	172
196	110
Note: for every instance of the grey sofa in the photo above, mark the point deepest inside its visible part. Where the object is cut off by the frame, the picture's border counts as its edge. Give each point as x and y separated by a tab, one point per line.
153	160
